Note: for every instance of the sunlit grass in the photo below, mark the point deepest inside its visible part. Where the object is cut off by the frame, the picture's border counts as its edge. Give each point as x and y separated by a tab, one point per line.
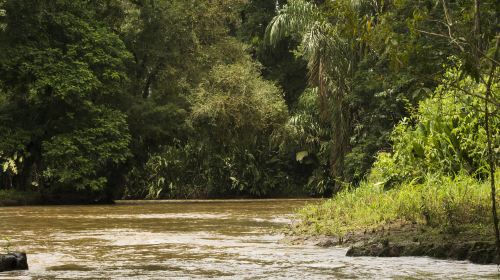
441	202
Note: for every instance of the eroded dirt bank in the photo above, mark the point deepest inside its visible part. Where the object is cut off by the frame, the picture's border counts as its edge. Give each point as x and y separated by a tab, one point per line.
400	240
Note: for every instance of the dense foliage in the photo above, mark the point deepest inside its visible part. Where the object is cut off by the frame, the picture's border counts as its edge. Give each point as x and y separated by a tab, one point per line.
371	62
432	177
243	98
63	74
445	136
233	115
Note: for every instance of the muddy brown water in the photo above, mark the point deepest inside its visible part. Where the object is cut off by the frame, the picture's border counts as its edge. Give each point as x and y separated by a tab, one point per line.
186	240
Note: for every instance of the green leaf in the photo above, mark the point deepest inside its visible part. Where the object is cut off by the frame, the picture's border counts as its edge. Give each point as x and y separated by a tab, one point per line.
301	155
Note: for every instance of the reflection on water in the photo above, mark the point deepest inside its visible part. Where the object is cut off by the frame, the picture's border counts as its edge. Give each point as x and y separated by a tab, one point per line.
228	240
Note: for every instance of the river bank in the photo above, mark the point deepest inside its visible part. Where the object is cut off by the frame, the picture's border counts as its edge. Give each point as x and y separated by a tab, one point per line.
31	198
440	217
476	245
13	197
19	198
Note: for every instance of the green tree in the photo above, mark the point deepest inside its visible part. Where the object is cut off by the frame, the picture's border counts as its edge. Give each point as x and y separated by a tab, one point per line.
471	28
174	46
371	64
279	62
63	72
233	117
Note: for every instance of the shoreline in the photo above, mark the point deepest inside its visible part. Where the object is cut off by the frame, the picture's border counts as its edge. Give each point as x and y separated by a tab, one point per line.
209	200
36	200
408	240
19	198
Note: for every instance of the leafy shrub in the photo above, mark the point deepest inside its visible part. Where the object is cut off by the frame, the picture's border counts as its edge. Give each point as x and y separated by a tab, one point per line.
445	136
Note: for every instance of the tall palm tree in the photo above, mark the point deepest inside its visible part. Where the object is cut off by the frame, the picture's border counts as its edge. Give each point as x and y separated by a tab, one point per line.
332	55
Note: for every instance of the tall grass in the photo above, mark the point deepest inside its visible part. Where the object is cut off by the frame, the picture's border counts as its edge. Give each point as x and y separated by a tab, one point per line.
439	201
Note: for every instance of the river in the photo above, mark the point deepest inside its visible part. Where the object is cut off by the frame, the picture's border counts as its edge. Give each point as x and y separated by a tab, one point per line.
186	240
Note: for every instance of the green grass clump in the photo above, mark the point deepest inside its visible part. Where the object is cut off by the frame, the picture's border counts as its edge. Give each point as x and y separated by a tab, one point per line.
439	202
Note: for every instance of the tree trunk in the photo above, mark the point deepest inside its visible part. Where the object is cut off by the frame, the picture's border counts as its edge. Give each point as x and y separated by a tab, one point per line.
340	138
491	160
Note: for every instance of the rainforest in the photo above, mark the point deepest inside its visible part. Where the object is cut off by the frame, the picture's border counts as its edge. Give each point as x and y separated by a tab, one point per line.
374	123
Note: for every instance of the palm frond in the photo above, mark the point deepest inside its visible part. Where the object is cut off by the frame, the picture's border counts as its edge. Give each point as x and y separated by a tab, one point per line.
294	18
